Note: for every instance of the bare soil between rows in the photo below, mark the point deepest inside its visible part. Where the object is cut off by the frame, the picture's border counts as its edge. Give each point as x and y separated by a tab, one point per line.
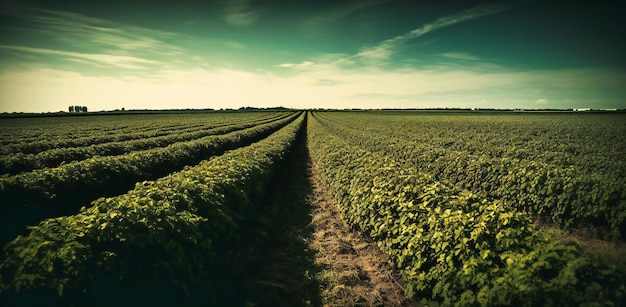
311	257
354	272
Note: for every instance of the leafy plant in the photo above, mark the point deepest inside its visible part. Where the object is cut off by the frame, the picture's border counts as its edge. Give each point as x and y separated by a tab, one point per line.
176	235
454	246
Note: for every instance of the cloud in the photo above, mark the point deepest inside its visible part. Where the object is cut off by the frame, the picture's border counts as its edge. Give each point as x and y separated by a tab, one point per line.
234	45
241	13
459	56
289	65
87	32
365	87
541	101
101	43
375	53
97	59
385	49
93	40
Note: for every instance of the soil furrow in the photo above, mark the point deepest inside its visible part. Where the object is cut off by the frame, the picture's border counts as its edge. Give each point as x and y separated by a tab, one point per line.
353	271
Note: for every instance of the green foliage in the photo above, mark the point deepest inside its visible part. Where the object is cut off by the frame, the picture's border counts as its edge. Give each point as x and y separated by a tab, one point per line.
454	246
568	170
180	230
118	142
64	189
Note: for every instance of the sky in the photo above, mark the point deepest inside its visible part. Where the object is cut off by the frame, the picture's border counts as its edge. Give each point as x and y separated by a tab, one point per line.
141	54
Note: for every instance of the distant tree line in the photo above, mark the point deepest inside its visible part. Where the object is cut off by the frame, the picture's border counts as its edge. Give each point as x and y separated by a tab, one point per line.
78	109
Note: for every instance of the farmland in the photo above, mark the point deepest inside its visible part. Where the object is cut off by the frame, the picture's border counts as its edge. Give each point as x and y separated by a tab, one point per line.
215	208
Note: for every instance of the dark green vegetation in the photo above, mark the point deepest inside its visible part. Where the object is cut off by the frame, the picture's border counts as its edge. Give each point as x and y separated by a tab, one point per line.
29	153
451	198
454	245
568	169
190	237
64	189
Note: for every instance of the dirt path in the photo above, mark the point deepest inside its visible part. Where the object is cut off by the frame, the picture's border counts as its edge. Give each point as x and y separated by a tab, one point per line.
304	255
353	271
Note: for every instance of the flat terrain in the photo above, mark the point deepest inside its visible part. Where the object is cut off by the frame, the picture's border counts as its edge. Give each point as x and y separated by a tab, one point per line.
291	208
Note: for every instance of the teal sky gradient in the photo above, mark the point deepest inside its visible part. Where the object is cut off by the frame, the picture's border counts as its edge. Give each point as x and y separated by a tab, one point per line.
311	54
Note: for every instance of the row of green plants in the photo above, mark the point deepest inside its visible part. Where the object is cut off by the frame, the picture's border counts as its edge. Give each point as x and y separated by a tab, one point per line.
167	241
569	196
39	135
36	135
453	246
29	197
589	142
19	162
23	130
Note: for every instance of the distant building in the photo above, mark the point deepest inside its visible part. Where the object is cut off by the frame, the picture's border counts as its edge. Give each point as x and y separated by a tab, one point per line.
582	110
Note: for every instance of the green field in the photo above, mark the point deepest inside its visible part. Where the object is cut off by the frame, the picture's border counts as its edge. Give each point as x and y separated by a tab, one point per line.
472	208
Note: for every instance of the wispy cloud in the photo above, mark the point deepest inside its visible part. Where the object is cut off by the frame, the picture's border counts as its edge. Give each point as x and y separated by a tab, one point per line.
69	36
459	56
290	65
91	40
371	87
87	32
386	48
98	59
233	44
241	12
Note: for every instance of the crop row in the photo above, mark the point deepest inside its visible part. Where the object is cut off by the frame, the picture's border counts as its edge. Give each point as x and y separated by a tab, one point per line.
30	136
17	163
78	134
570	196
28	197
171	236
26	131
589	142
18	130
451	245
592	144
